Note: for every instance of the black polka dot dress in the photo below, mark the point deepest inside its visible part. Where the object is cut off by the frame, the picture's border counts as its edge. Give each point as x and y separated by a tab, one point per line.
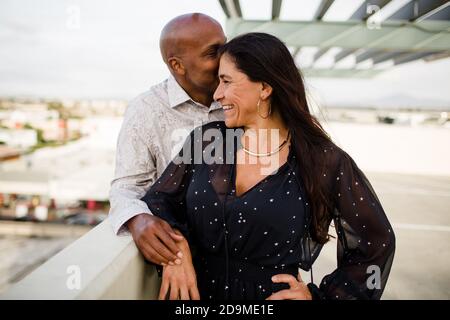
240	242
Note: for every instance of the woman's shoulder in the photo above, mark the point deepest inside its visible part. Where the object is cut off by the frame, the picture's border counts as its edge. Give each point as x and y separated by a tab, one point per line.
200	130
213	130
207	132
335	155
212	125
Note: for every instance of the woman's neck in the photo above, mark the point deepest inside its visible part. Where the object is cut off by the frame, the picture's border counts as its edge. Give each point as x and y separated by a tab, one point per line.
265	134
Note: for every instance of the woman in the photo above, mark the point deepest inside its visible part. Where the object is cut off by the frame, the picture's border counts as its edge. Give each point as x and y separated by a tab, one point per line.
245	223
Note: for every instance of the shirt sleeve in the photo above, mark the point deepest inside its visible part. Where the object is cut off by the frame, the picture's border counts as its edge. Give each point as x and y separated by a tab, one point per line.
135	172
366	241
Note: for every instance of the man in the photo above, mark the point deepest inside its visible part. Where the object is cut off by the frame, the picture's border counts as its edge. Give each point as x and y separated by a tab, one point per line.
189	45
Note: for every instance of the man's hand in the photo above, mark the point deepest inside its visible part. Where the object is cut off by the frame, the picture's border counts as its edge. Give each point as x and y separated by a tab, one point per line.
180	281
155	239
298	289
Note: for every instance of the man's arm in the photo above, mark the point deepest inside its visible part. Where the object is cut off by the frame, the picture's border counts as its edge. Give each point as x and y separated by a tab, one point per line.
135	172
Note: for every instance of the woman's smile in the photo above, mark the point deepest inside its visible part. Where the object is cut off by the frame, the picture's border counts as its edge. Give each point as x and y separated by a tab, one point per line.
227	108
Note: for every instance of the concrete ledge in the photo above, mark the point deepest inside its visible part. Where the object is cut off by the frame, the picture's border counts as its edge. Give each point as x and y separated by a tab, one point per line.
99	265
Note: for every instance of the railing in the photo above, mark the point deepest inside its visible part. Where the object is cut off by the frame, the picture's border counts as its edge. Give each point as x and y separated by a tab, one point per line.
99	265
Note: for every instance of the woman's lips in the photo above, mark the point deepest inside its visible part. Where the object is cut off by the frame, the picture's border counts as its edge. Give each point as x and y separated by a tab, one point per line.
227	107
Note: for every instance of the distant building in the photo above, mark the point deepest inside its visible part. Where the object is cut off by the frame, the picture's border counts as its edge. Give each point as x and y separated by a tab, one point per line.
20	138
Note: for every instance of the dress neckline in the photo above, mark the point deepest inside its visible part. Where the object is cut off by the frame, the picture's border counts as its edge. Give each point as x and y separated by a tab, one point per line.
272	174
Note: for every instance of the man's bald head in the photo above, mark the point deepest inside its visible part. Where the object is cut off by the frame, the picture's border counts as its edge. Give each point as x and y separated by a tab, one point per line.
189	46
185	31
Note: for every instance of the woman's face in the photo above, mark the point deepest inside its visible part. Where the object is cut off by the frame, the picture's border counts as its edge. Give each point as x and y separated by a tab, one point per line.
237	94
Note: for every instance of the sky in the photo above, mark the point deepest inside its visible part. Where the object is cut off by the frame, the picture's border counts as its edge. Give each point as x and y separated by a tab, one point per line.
109	49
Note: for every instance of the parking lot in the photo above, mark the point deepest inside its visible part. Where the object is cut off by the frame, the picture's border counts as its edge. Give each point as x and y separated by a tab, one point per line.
418	208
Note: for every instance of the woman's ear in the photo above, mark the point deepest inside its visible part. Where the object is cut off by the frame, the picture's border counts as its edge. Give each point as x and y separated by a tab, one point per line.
266	91
176	65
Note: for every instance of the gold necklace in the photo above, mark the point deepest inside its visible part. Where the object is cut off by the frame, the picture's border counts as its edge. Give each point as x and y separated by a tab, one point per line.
268	153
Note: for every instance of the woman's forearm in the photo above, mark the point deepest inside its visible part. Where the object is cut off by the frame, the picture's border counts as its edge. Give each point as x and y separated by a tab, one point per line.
180	279
183	245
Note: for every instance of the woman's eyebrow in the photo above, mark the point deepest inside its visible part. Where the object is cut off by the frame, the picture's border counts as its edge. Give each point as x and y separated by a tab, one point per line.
222	76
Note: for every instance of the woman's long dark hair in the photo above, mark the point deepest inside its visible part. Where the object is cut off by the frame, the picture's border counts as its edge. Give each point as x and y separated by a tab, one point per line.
264	58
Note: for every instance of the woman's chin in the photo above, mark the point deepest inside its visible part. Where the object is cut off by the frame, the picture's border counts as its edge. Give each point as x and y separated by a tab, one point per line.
230	123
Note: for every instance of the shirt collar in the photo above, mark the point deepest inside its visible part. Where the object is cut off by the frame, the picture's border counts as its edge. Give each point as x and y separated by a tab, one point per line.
215	106
177	95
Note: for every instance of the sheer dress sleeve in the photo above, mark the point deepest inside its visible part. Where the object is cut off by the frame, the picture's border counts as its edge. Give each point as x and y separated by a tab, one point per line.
166	198
366	241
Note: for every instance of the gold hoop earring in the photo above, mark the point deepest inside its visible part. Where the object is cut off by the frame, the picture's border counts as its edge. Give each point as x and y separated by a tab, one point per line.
258	105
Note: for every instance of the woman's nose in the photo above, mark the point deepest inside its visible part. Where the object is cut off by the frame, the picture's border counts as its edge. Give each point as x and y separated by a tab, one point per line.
218	94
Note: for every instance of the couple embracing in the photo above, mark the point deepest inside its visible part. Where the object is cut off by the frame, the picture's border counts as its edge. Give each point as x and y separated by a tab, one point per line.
250	197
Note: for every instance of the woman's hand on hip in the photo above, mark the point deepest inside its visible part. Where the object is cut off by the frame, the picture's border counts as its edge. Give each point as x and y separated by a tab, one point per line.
298	289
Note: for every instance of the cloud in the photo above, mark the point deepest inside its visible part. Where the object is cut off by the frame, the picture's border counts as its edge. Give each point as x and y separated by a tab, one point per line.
115	52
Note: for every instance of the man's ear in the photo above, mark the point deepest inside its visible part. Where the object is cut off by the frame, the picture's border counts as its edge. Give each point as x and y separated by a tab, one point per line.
266	91
176	65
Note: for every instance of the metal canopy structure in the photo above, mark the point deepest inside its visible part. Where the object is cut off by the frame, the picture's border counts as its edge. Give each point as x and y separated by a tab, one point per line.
409	31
